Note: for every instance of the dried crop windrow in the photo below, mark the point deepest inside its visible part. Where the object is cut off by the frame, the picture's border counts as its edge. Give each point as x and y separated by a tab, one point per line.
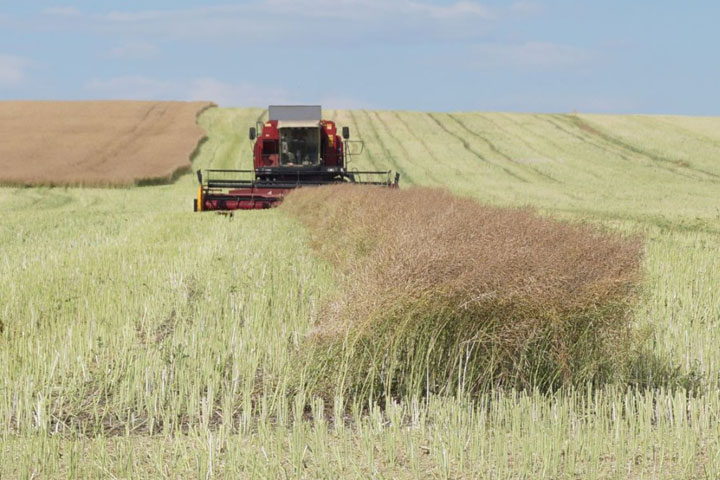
444	295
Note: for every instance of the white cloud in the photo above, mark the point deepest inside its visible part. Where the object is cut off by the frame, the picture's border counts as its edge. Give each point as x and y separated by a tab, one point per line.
454	11
526	8
205	88
554	101
235	95
12	70
132	87
342	102
62	11
594	104
225	94
134	51
376	9
299	21
530	55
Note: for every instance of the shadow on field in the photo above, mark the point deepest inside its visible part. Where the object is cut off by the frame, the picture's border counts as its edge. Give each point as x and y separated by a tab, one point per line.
179	172
172	178
651	371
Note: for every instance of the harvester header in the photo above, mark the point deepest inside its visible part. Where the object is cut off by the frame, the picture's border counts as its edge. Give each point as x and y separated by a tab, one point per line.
294	148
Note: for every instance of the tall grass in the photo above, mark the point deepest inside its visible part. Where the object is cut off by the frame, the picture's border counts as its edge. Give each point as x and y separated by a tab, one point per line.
444	295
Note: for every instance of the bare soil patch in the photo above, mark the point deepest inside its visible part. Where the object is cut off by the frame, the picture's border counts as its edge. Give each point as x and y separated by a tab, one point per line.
97	143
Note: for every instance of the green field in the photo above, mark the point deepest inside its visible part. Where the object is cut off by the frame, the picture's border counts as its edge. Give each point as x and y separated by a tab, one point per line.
138	339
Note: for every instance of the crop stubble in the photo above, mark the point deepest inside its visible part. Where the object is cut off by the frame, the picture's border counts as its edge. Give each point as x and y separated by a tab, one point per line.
97	143
135	324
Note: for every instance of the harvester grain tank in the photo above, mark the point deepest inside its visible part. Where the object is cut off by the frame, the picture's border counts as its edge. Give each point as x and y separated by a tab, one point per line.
294	148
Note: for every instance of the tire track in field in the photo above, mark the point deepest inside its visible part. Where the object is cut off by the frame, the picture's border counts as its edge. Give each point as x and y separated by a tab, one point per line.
117	143
425	147
389	131
151	119
521	139
604	136
494	148
356	126
658	159
690	133
559	147
41	199
226	143
655	220
386	151
611	149
587	140
244	141
472	150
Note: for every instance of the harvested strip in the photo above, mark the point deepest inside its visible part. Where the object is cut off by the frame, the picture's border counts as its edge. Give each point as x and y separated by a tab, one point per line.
98	143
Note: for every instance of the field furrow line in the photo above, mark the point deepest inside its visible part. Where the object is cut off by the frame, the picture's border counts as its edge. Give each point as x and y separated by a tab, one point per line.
480	137
494	148
386	128
149	122
419	141
605	136
386	151
556	146
610	148
474	152
376	137
369	154
242	142
115	144
689	133
584	139
43	199
700	137
519	138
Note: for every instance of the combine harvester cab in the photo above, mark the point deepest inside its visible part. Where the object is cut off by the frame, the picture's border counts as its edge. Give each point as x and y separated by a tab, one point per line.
294	148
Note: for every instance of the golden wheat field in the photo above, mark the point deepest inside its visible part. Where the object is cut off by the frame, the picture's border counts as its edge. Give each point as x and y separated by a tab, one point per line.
96	143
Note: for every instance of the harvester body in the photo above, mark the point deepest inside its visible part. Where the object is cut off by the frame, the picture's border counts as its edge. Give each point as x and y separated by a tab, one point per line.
293	148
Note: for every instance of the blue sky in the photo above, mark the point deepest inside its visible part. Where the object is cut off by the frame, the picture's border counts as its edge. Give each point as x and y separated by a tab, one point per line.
442	55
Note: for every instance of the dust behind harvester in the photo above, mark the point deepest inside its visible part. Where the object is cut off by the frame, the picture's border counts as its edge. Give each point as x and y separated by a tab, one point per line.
294	148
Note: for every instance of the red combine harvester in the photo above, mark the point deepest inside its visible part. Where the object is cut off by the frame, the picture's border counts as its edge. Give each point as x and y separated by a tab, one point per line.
294	148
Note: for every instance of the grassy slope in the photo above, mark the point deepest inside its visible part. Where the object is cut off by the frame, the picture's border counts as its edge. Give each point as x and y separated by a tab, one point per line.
123	311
